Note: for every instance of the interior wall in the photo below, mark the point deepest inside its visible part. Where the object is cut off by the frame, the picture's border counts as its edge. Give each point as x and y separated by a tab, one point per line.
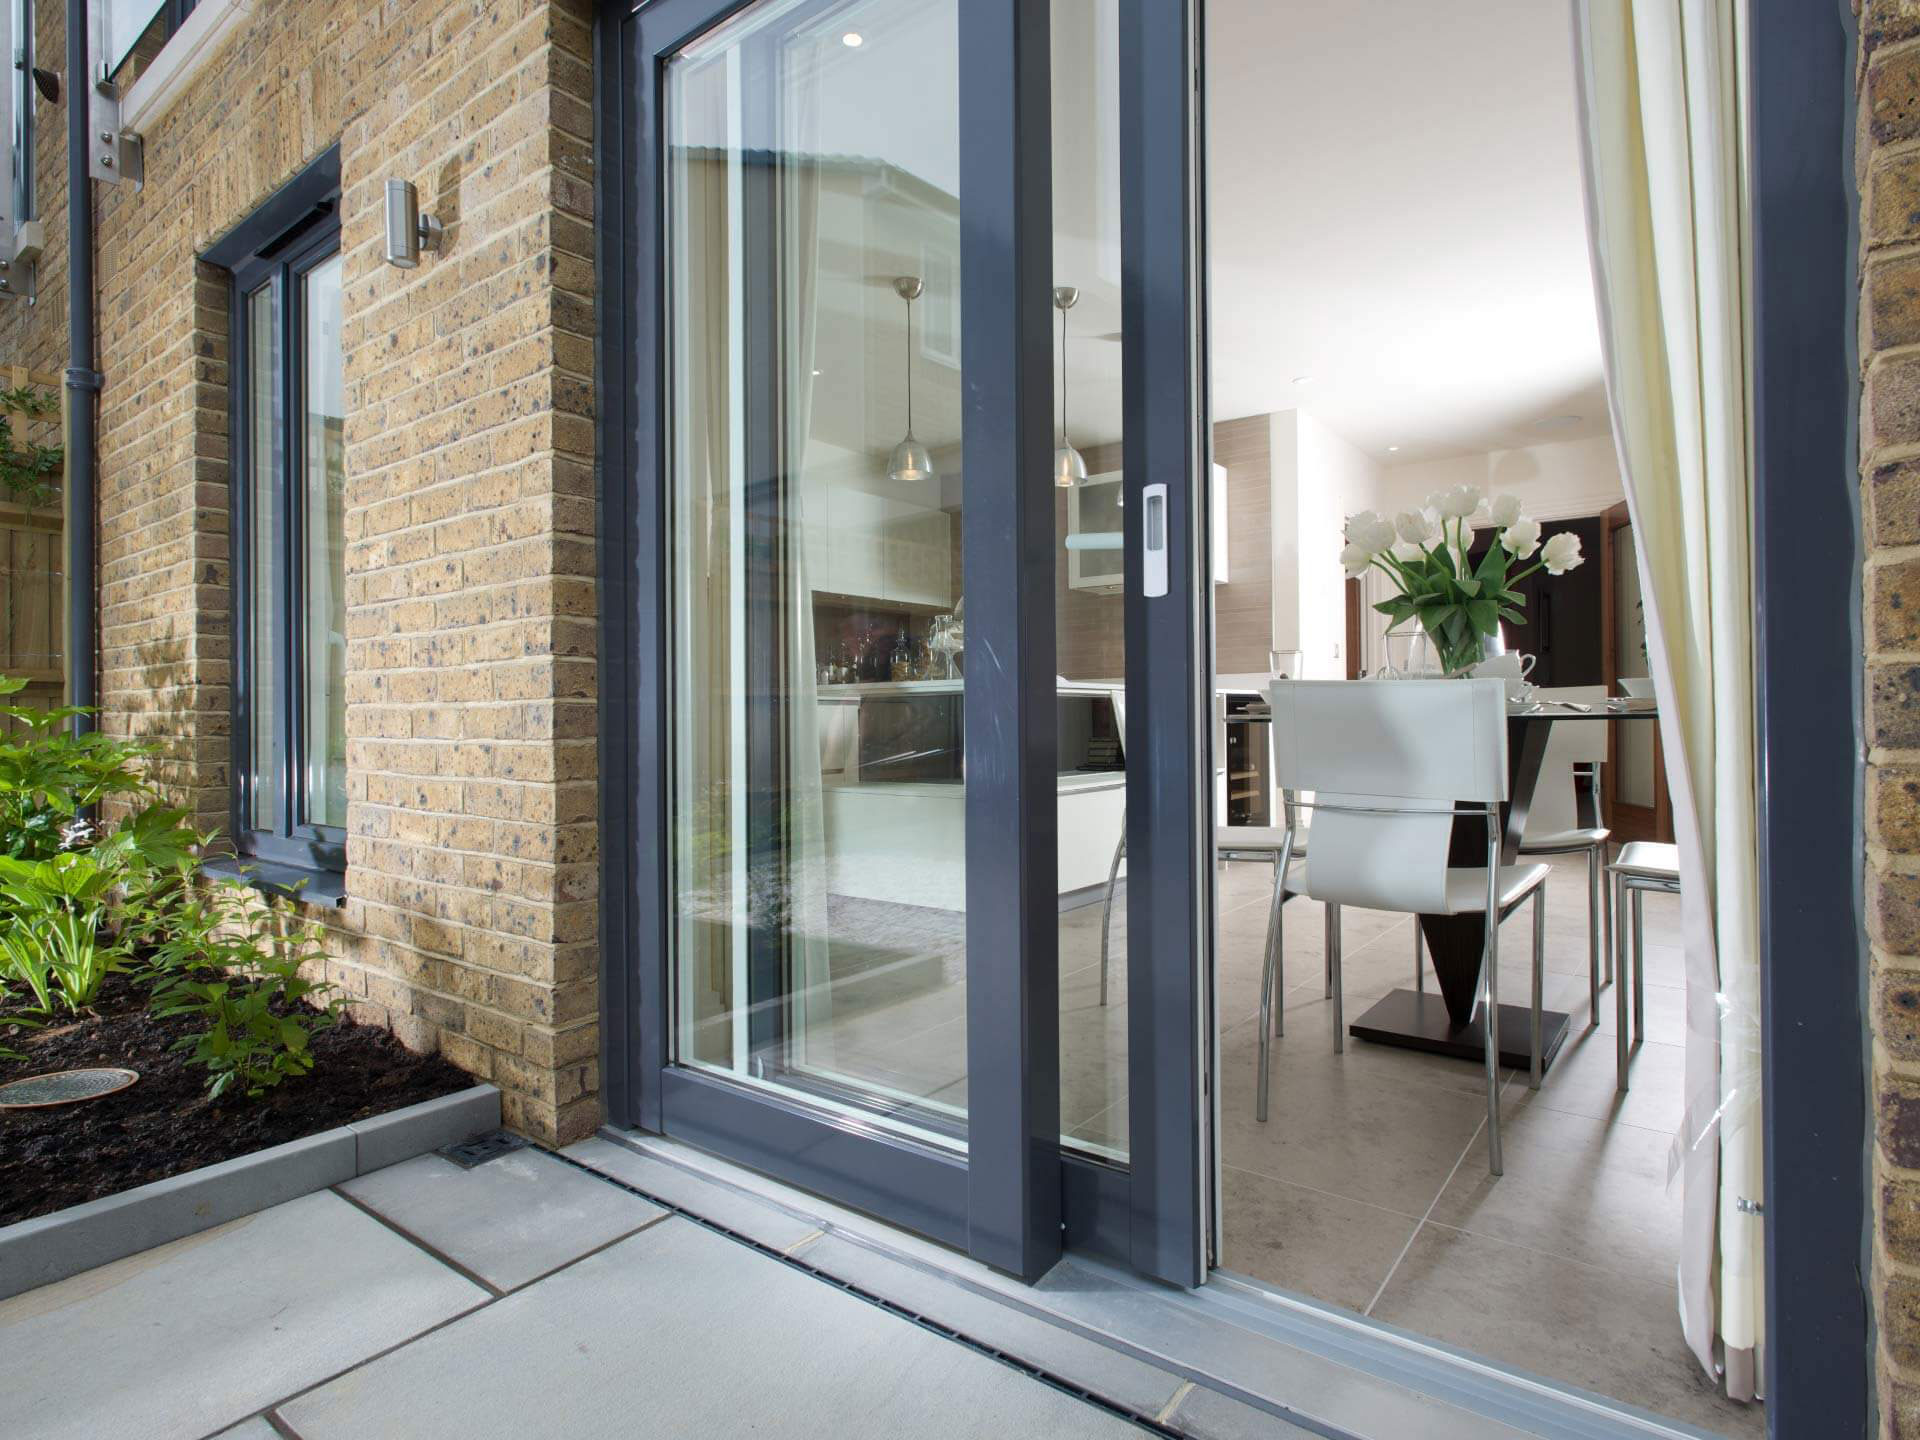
1336	480
1554	481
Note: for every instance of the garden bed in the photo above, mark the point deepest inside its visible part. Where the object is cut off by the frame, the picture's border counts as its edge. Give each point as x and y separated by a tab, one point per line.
166	1124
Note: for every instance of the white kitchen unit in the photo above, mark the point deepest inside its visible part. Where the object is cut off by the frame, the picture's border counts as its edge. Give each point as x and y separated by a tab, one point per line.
876	547
1093	510
903	840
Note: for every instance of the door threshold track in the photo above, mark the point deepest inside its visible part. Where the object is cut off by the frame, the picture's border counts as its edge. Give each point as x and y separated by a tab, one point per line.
1252	1360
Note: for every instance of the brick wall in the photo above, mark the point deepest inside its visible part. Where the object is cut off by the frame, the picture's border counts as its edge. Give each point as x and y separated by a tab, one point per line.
1888	158
472	859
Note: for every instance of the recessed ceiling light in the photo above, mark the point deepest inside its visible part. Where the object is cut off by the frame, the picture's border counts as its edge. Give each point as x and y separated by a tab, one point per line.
1303	379
853	39
1392	448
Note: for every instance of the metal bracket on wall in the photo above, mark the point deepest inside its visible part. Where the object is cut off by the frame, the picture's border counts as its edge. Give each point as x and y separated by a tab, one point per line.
113	154
20	260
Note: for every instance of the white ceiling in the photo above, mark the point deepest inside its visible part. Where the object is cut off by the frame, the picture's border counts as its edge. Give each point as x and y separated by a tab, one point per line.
1396	213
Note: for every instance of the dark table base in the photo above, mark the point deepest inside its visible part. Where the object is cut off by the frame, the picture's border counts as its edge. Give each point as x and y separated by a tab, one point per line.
1418	1020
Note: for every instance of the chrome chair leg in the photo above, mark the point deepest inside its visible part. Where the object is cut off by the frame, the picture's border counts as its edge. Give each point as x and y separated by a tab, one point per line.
1267	1008
1539	979
1106	913
1606	906
1620	986
1490	986
1273	968
1639	970
1596	903
1334	987
1419	960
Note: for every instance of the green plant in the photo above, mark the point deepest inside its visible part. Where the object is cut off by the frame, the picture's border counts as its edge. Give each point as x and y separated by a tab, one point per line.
55	914
28	470
235	962
50	778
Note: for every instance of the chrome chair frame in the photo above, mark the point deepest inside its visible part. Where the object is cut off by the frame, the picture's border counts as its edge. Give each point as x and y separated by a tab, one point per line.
1629	889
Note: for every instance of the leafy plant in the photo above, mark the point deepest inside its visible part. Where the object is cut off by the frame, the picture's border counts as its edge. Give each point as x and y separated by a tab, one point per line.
50	778
235	962
28	471
53	939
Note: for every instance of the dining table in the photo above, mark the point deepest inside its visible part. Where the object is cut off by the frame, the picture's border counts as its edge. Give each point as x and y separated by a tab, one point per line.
1448	1021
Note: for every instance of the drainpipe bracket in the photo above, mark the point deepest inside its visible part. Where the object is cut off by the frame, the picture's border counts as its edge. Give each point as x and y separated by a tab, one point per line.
79	379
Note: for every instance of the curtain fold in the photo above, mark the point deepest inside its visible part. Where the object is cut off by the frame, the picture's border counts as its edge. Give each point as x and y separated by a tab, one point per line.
1661	112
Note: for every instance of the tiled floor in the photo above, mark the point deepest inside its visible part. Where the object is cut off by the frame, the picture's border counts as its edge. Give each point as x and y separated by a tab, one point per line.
1368	1186
530	1299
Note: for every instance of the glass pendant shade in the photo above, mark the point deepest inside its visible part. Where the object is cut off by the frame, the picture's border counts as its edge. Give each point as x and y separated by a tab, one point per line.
910	461
1069	467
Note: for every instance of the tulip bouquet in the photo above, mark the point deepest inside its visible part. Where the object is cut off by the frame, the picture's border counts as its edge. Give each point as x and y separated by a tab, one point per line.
1424	553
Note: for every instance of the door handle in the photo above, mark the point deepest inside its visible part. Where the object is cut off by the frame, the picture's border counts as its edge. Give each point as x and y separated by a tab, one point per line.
1153	534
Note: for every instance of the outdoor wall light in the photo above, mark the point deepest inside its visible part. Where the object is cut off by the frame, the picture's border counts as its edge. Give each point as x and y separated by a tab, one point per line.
408	231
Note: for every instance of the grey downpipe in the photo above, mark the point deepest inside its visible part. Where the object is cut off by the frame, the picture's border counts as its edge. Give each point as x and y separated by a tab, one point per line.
82	380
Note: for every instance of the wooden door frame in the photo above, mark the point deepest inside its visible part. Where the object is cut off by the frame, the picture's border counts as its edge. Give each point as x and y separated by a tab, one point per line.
1628	822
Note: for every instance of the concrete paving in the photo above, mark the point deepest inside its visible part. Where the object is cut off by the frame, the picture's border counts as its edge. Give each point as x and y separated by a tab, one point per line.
196	1335
506	1222
520	1300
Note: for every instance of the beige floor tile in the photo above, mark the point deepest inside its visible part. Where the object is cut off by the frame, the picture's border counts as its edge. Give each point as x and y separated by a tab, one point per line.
1600	1329
1577	1187
1332	1248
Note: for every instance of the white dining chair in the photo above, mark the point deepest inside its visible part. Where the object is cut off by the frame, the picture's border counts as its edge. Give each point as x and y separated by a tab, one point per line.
1642	866
1576	749
1394	765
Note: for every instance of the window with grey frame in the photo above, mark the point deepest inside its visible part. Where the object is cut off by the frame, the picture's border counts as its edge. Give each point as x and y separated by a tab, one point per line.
288	491
19	112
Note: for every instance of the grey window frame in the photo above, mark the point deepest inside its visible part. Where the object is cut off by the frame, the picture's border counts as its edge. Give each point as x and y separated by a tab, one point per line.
297	230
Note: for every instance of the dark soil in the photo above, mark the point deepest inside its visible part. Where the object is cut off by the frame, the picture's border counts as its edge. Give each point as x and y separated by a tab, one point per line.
164	1124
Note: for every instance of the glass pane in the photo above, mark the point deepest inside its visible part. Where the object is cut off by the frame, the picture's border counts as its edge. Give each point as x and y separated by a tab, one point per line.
323	488
1090	633
263	365
818	806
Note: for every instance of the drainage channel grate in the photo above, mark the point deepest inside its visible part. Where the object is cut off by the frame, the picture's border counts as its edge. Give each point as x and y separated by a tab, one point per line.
482	1148
926	1322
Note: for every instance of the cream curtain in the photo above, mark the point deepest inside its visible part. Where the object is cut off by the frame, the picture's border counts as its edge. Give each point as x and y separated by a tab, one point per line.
1661	92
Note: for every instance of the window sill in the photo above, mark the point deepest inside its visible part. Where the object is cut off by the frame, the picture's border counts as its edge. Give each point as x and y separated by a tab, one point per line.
326	888
185	54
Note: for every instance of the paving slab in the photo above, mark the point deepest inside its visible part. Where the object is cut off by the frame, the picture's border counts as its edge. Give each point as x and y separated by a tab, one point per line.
203	1332
508	1221
747	1214
680	1331
254	1429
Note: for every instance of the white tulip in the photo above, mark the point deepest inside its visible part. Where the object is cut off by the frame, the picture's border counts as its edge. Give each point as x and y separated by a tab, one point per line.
1356	560
1416	527
1521	538
1409	550
1457	503
1504	511
1372	533
1562	553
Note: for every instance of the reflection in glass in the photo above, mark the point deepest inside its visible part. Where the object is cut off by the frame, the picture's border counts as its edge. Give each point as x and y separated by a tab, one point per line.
1089	623
818	810
263	364
324	616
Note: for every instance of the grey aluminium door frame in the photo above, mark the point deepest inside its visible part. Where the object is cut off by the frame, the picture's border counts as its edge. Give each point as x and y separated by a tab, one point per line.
1001	1201
1815	1072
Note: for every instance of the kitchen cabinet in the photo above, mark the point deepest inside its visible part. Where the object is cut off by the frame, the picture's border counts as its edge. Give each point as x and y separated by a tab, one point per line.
876	547
1093	509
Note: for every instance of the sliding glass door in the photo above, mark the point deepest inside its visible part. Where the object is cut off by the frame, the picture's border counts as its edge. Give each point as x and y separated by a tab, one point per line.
834	727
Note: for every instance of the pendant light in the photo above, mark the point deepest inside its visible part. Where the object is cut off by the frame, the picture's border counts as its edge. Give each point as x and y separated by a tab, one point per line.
910	461
1069	465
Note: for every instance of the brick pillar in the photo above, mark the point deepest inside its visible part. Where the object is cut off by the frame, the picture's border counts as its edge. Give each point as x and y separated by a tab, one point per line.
1888	158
